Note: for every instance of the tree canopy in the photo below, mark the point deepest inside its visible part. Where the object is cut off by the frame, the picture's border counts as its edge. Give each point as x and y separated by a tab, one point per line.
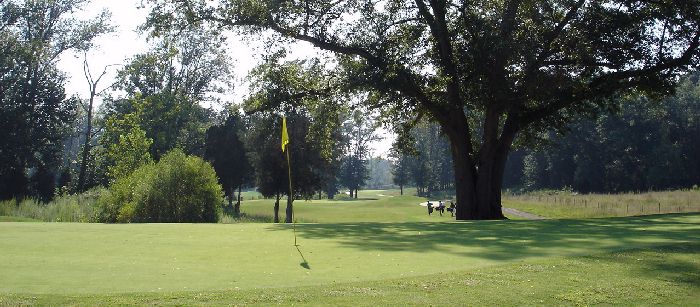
35	111
491	73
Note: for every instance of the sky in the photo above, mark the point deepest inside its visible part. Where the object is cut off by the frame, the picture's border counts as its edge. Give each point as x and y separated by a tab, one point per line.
125	42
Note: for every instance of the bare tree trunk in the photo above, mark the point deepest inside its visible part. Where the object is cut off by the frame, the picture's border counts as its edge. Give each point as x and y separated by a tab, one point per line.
86	145
237	207
401	187
92	83
230	197
290	210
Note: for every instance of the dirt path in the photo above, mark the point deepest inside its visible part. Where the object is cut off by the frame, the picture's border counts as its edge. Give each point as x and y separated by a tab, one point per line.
522	214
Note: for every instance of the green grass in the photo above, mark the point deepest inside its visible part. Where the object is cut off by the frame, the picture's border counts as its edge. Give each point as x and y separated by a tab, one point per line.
371	206
16	219
666	275
559	204
398	255
84	260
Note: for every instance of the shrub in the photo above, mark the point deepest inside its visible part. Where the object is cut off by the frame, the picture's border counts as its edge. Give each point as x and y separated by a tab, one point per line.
177	189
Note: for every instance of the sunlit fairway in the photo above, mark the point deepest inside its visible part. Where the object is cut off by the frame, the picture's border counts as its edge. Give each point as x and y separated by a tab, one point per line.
58	263
370	206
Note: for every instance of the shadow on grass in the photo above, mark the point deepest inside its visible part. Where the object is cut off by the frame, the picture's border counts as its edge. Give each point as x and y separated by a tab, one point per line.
676	268
303	263
508	240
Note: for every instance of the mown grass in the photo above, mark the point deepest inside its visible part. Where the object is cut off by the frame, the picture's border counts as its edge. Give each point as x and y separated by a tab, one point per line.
665	275
86	259
380	249
554	204
370	206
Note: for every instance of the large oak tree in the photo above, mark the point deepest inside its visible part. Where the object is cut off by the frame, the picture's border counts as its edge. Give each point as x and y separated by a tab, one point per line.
489	72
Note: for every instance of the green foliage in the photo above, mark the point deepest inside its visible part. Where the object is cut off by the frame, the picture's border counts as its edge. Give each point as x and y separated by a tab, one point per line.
358	133
645	145
491	73
80	208
36	112
227	154
166	86
179	188
423	157
130	150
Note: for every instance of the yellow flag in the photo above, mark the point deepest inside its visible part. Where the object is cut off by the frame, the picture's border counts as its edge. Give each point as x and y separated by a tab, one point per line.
285	136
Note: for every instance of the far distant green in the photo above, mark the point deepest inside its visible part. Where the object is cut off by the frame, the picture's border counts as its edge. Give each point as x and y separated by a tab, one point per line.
370	206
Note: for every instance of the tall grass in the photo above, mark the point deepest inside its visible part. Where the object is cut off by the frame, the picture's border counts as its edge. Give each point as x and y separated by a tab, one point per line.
244	218
563	204
79	208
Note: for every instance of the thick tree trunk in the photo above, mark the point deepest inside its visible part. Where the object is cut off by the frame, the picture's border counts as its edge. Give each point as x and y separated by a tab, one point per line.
478	189
401	188
277	208
488	186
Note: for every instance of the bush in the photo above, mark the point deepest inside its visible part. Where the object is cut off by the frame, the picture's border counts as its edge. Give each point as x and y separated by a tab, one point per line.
177	189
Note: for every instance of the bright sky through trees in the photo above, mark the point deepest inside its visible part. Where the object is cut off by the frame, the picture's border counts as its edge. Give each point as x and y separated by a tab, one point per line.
126	42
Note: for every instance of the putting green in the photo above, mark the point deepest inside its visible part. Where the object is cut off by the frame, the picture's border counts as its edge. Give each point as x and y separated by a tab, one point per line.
66	258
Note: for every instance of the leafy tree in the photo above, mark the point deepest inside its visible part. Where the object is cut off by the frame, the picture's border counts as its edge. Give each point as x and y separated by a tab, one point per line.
297	89
642	146
490	73
43	183
184	70
227	154
400	169
359	133
35	111
271	165
126	144
177	189
268	161
430	166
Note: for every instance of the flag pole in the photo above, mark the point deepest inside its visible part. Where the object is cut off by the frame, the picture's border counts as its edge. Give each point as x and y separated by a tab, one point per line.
290	197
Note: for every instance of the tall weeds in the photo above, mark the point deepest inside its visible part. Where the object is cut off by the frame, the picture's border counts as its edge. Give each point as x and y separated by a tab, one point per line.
79	208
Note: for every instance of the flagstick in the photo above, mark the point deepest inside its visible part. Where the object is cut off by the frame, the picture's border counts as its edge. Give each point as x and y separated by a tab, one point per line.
290	199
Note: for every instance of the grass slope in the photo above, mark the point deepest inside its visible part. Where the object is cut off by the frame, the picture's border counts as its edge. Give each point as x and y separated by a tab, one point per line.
68	258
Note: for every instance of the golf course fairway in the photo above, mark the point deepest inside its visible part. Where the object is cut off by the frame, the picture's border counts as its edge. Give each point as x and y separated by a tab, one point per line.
81	259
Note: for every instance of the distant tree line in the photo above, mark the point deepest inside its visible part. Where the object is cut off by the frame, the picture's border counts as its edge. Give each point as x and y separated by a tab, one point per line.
423	160
642	145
